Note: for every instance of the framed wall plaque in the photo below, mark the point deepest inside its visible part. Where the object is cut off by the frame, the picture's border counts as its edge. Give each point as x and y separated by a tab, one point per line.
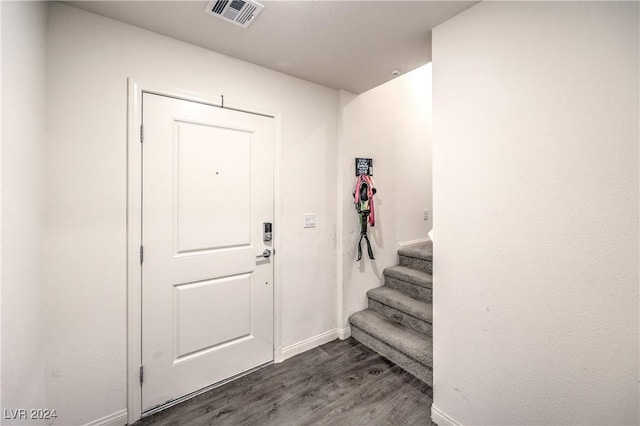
364	166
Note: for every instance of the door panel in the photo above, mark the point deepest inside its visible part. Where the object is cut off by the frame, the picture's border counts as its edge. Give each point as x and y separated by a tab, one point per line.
213	191
212	313
207	298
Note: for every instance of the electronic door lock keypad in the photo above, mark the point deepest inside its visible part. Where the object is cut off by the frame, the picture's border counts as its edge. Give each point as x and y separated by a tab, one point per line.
266	231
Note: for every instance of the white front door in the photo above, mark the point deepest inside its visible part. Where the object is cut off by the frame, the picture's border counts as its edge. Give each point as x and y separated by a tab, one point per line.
207	292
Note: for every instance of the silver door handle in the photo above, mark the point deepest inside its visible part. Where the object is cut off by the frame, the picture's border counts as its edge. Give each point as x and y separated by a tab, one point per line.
266	254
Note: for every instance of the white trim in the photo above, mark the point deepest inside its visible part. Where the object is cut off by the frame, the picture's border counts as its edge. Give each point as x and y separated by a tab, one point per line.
134	272
277	247
310	343
442	419
340	318
344	333
119	418
413	242
277	354
134	220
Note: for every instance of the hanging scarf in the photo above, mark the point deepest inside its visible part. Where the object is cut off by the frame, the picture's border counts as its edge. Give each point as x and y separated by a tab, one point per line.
366	179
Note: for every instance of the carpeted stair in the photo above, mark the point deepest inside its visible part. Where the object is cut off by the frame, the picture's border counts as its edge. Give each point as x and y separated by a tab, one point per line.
398	323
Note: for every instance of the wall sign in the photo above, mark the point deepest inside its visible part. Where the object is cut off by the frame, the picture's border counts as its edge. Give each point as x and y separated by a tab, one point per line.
364	166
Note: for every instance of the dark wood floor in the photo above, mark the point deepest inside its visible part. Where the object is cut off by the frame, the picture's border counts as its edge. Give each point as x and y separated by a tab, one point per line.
339	383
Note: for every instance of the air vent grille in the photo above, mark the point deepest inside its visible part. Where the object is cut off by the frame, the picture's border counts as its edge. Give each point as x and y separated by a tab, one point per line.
219	6
238	12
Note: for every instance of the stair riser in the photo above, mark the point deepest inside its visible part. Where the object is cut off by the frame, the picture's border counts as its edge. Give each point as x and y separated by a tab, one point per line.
401	317
419	292
420	371
418	264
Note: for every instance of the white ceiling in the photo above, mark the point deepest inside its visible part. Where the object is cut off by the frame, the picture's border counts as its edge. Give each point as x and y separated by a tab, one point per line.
351	45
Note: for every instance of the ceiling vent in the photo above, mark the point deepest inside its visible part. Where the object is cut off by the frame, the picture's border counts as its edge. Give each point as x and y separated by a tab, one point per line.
238	12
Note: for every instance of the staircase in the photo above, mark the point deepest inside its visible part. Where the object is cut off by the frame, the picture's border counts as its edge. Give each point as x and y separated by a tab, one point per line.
398	323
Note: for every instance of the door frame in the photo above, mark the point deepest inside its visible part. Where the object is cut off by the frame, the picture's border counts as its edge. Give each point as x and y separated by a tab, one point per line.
134	221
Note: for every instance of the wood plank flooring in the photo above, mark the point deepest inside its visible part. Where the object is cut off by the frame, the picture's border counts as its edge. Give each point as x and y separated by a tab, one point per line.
338	383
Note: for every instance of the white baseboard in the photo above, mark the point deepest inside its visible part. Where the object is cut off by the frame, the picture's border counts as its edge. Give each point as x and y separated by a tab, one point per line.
412	242
310	343
277	356
344	333
119	418
442	419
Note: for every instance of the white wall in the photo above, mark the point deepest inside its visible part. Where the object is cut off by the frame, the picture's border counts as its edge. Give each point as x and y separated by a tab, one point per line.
536	214
391	124
90	58
23	117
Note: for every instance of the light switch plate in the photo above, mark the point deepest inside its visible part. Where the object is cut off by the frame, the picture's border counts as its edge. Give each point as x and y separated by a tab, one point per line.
309	220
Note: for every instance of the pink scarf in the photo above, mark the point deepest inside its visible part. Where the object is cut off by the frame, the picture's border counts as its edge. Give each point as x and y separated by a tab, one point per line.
363	178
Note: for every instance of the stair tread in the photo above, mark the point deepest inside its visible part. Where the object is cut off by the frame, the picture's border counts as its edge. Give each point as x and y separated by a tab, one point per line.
415	345
411	275
402	302
420	251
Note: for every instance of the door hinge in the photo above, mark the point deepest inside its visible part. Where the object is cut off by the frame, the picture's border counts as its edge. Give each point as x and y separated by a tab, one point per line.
141	374
141	254
141	133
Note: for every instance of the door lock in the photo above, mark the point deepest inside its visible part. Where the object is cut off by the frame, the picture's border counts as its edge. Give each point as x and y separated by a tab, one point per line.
266	231
266	254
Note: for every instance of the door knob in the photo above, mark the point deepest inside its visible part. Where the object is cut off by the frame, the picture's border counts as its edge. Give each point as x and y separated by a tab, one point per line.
266	254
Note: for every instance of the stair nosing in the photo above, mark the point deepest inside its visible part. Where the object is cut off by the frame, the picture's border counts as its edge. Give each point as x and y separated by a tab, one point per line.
400	330
376	297
423	279
417	253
